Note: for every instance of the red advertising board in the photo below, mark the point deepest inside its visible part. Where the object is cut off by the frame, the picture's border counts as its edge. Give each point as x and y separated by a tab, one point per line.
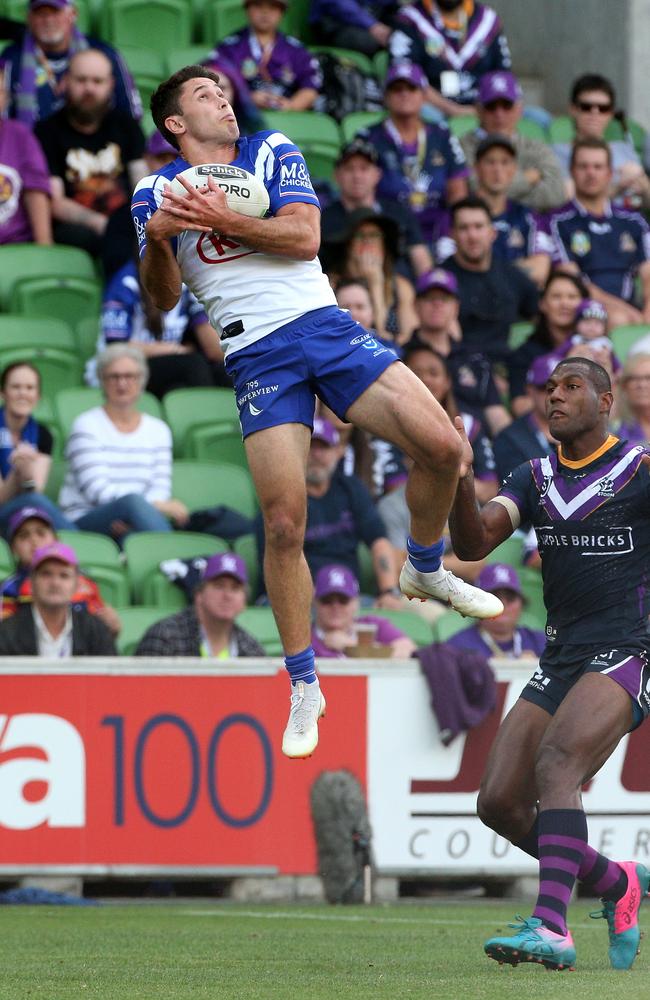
179	769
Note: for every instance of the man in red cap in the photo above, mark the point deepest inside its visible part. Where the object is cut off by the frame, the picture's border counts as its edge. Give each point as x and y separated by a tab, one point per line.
50	626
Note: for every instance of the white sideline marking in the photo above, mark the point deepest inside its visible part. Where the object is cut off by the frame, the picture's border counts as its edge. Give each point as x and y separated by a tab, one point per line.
350	918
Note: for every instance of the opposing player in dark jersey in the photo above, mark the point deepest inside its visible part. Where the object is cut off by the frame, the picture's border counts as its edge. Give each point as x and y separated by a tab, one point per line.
590	506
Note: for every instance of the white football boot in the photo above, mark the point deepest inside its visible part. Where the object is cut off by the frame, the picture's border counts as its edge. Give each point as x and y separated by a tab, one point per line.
307	706
443	586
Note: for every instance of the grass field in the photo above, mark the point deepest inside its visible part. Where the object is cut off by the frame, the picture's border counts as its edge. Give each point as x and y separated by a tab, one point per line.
225	951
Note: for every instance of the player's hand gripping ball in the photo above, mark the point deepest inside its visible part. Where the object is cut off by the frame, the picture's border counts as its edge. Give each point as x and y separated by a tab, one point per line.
244	192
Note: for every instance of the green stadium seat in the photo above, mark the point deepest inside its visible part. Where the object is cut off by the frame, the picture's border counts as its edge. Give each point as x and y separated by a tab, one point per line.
419	630
87	333
45	414
69	403
532	129
164	23
461	124
188	55
349	56
367	580
101	560
135	622
145	550
561	129
215	444
220	18
447	625
357	121
625	337
519	332
202	485
74	300
296	20
185	409
531	584
22	259
261	624
510	551
49	344
321	161
55	479
6	559
148	68
305	127
636	132
380	61
246	547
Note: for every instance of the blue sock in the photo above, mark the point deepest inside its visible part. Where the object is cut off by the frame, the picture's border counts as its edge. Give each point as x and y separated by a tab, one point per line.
425	558
301	666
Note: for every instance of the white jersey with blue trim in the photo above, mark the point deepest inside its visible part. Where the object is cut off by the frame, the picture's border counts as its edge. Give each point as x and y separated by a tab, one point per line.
243	289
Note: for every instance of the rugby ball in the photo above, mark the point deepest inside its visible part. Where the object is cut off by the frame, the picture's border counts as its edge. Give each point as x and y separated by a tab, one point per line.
244	192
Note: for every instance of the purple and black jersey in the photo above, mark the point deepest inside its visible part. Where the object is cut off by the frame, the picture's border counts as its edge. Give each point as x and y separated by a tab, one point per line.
283	68
592	523
609	249
453	60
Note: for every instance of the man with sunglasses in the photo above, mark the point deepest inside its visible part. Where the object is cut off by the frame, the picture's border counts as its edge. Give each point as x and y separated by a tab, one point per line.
538	182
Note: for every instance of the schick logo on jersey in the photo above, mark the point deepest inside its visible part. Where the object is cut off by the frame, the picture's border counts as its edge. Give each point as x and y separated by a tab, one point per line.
613	542
295	175
221	170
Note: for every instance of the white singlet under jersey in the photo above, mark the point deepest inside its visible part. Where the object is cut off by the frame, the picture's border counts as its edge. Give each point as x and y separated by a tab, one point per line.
237	285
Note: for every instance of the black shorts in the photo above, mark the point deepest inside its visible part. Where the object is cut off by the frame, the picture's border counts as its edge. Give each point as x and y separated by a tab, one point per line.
561	666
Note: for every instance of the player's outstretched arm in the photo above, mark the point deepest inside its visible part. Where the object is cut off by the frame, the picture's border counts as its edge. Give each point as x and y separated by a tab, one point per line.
294	232
474	531
159	270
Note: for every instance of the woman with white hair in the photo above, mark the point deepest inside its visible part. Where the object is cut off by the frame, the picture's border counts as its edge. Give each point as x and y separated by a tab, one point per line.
119	460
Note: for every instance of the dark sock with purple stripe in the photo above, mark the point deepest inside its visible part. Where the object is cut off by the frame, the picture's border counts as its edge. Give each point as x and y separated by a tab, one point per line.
562	844
606	878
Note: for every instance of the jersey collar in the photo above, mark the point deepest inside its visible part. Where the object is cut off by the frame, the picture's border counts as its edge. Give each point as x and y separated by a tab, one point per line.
610	441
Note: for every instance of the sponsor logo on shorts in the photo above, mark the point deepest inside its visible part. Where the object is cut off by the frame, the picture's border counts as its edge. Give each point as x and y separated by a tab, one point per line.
360	339
253	390
613	542
539	680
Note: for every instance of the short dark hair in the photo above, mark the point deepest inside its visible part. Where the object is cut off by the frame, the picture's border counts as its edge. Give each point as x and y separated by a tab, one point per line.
595	373
592	81
6	372
415	344
471	201
590	142
165	101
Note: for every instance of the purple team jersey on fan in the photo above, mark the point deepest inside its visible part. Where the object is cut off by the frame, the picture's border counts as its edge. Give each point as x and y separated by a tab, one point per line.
22	168
287	68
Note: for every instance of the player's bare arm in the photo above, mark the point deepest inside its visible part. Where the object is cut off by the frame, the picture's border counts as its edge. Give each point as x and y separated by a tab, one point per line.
159	270
475	532
294	232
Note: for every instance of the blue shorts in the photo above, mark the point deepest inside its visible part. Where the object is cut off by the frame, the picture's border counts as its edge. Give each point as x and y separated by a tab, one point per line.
561	666
324	353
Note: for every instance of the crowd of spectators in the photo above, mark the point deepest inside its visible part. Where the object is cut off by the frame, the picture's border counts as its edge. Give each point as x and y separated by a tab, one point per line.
455	228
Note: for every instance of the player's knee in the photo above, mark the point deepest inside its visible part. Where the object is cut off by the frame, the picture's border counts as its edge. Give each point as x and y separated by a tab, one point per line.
441	450
554	764
283	530
495	810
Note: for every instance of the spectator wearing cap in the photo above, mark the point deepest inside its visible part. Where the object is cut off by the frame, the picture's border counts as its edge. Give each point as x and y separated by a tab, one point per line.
31	528
280	72
207	627
336	619
527	436
367	250
608	246
26	215
95	157
437	305
456	42
362	25
518	235
37	63
538	182
357	176
423	166
502	636
51	626
554	324
494	293
340	515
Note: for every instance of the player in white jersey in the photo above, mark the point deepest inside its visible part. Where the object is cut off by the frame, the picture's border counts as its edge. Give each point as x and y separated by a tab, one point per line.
285	340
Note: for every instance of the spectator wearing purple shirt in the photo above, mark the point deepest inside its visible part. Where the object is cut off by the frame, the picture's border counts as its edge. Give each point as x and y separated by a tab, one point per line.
25	213
336	613
363	25
423	166
502	636
281	73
